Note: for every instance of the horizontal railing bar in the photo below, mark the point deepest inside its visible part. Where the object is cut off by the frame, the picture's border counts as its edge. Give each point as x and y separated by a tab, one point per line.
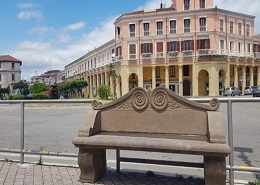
161	162
44	101
244	168
39	152
222	100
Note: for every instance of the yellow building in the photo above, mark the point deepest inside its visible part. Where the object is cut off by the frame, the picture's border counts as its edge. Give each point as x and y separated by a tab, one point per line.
192	48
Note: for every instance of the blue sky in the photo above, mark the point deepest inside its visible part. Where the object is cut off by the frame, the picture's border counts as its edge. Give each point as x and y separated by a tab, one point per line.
49	34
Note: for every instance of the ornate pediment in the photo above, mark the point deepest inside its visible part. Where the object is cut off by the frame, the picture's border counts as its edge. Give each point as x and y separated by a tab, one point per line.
159	99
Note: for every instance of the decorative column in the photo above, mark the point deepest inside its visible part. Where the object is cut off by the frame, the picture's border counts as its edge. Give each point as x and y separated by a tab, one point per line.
95	85
180	80
235	76
98	82
101	79
106	80
251	75
112	86
90	87
153	77
140	77
167	77
227	77
118	94
258	75
244	79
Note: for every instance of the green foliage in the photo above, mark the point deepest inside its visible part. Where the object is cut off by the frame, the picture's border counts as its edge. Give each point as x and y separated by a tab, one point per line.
39	96
22	86
256	181
73	86
16	97
38	87
104	91
4	91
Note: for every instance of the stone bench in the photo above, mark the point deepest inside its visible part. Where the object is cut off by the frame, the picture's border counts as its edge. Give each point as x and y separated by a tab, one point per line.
155	121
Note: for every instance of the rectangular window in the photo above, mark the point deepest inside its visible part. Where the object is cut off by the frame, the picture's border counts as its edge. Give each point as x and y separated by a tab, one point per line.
159	28
132	30
222	45
239	47
172	71
173	46
173	26
12	66
108	55
186	25
146	29
157	71
186	70
146	48
231	26
187	45
186	4
247	30
231	46
221	25
13	77
132	51
240	28
248	47
202	3
203	24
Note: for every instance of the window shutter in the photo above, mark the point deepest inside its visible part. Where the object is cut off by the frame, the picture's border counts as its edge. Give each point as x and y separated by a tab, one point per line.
159	46
168	47
132	49
182	45
151	47
198	45
208	44
142	48
192	45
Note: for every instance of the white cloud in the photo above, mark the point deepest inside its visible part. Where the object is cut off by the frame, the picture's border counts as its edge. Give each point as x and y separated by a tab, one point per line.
64	38
75	26
29	14
41	30
27	5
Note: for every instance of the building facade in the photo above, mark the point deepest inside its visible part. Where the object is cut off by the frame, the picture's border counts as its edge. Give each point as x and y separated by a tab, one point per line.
10	70
192	48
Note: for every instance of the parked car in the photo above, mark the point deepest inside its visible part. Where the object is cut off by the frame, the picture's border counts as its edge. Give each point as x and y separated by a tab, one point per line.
248	90
232	91
29	96
256	91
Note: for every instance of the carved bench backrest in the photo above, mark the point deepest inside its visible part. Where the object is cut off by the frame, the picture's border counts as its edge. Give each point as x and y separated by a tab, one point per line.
157	111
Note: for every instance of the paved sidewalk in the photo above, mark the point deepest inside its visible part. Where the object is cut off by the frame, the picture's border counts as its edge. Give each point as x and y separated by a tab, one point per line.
12	173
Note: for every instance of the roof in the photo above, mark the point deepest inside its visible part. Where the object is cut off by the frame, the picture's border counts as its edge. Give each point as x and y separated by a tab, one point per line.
8	58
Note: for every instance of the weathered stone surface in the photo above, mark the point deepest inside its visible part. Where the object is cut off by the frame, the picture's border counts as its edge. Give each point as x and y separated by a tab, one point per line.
157	120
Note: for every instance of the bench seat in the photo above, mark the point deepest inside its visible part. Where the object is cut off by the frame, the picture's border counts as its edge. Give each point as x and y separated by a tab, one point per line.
185	145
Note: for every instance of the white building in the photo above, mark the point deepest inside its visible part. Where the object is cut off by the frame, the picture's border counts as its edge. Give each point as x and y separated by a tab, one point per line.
10	70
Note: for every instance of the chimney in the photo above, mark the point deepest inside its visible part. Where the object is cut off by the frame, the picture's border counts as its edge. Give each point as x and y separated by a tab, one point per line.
161	6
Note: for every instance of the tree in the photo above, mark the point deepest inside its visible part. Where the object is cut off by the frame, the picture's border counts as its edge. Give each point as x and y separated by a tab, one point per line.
73	87
22	86
38	87
104	91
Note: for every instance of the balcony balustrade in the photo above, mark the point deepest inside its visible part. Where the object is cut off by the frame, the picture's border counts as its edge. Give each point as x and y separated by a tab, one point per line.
132	34
186	29
173	54
187	53
159	55
146	56
172	30
132	56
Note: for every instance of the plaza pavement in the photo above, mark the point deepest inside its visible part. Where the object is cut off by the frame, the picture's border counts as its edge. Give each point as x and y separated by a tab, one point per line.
12	173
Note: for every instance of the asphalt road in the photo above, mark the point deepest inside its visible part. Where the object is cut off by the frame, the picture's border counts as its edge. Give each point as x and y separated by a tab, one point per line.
52	128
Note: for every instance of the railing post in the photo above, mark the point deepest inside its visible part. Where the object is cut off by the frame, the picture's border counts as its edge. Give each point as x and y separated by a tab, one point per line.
117	160
22	134
230	142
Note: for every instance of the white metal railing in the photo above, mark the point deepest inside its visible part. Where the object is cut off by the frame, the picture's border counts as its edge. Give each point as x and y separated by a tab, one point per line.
173	54
159	32
173	30
187	53
146	55
230	53
159	55
186	29
146	33
132	34
132	56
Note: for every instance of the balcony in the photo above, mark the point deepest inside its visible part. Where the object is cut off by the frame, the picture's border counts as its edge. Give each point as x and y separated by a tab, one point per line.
173	30
159	32
159	55
257	55
186	29
146	56
132	34
202	28
187	53
132	56
146	33
173	54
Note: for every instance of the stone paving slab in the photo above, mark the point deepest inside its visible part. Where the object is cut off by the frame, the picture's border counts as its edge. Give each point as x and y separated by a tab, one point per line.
12	173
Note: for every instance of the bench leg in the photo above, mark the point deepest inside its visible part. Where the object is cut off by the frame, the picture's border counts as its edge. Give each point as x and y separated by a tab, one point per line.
92	164
214	170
